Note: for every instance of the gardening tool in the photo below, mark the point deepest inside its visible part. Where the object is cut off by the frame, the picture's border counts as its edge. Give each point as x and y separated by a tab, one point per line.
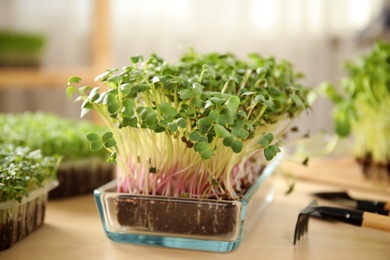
349	216
380	207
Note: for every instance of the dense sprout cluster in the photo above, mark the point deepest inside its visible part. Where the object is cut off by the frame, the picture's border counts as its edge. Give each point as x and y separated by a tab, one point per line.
23	170
194	128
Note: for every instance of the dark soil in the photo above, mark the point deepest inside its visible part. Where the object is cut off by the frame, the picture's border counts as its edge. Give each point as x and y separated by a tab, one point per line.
26	222
177	216
74	180
180	216
374	170
6	234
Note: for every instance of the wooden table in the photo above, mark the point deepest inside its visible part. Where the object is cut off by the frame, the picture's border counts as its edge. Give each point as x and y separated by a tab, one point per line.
73	230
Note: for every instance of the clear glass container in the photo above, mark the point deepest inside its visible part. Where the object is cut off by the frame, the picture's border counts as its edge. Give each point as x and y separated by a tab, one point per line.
208	225
19	219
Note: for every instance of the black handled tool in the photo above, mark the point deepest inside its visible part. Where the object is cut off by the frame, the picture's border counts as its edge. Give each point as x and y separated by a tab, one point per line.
349	216
379	207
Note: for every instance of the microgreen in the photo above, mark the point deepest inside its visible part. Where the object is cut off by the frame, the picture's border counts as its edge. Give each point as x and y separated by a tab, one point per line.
201	124
361	108
50	133
23	170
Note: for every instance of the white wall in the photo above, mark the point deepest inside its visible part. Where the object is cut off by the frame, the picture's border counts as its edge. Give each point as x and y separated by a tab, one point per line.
316	35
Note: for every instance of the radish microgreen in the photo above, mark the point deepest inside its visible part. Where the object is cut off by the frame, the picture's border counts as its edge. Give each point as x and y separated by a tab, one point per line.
194	128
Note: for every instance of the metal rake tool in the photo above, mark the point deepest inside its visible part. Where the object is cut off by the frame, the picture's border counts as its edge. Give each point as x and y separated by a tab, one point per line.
353	217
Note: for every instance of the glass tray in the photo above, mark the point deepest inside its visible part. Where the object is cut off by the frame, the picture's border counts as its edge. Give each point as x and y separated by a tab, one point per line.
208	225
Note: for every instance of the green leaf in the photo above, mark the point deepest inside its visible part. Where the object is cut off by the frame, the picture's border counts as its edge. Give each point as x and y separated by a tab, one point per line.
222	119
181	122
203	138
85	88
69	92
270	152
151	118
297	100
106	136
126	88
144	112
228	141
232	104
166	108
217	100
94	97
204	124
243	134
249	125
198	88
136	59
197	102
237	146
203	146
235	131
266	139
209	70
109	143
159	129
185	93
206	154
229	116
74	79
133	121
93	136
242	113
96	145
127	110
262	83
221	131
265	101
213	116
248	93
172	126
163	123
194	136
114	79
112	105
274	148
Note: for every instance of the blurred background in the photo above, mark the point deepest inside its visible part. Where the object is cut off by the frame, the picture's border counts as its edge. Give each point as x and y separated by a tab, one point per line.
83	37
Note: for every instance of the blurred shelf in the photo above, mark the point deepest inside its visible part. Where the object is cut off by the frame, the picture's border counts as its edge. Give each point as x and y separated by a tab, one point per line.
44	77
32	78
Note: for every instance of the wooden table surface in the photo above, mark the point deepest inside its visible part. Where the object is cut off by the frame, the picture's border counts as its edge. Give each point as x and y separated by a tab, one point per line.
73	230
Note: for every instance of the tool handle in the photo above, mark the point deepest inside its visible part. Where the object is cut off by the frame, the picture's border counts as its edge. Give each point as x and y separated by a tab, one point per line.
349	216
374	209
381	205
375	221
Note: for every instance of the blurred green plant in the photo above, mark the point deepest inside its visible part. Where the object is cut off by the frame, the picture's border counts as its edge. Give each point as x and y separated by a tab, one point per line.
51	134
362	107
21	48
